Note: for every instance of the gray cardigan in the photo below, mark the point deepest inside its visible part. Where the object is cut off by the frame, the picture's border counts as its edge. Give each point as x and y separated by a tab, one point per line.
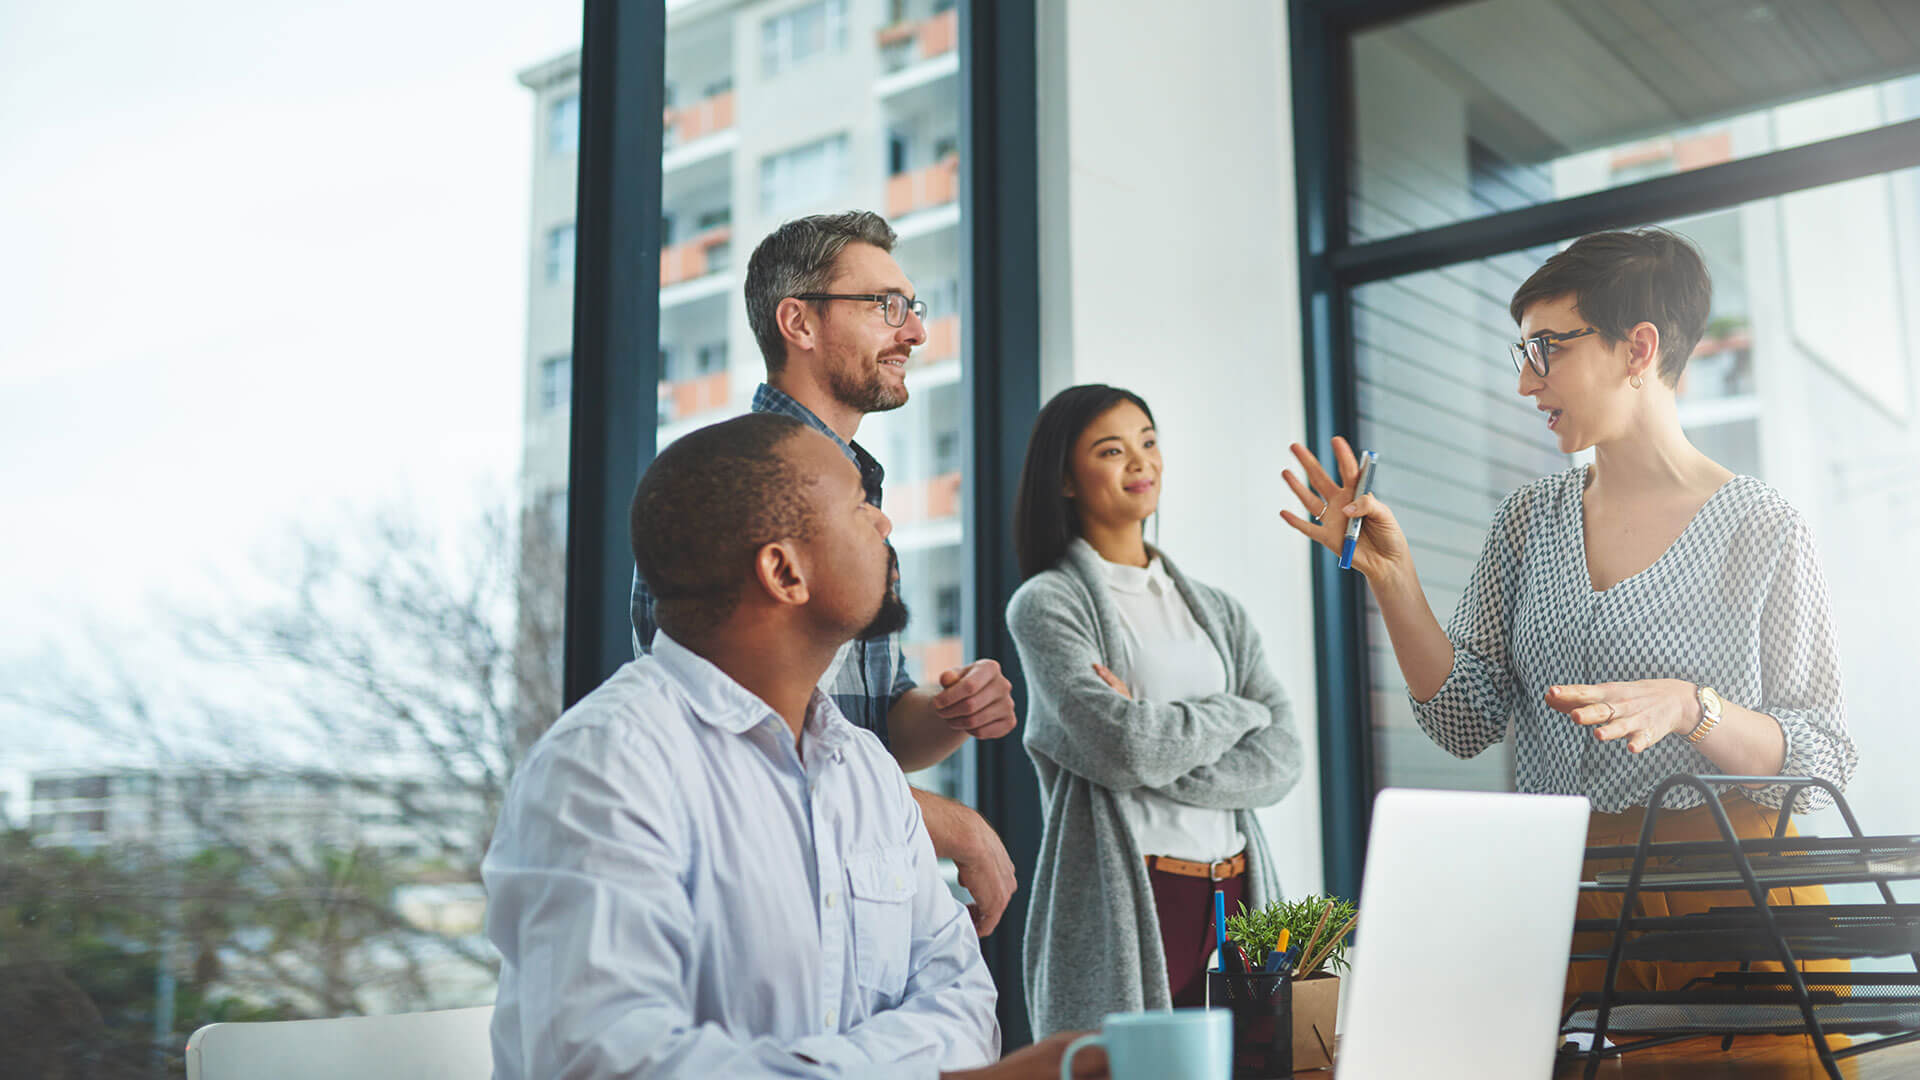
1093	937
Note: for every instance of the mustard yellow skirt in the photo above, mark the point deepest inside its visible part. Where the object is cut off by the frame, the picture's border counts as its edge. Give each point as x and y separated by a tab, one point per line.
1750	821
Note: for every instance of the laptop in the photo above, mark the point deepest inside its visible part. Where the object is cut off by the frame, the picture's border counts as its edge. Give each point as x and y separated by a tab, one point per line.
1466	924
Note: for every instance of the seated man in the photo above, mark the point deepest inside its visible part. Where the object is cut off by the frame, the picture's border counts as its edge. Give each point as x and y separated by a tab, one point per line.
703	869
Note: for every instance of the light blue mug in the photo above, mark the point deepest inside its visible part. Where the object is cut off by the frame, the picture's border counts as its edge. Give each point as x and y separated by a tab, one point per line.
1177	1044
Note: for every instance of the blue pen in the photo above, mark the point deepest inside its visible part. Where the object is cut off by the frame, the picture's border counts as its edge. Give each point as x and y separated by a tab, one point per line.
1367	460
1220	925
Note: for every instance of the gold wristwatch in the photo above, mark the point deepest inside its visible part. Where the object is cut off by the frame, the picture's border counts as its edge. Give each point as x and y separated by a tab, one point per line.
1709	713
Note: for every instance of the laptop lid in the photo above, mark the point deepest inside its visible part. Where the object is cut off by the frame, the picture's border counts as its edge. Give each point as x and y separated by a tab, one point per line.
1466	923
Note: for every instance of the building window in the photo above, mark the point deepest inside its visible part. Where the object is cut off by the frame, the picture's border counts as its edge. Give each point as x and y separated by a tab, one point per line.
804	176
946	453
947	611
556	382
792	38
711	358
560	254
563	126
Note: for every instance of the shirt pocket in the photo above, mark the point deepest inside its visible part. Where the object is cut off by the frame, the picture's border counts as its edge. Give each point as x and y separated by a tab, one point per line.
881	884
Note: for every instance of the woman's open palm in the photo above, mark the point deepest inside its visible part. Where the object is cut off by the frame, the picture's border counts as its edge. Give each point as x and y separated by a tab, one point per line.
1382	546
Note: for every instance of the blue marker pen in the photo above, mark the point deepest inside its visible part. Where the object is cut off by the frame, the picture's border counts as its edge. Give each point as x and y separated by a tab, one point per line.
1367	460
1220	925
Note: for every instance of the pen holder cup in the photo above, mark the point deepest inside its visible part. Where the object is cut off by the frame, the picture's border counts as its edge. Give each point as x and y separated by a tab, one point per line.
1262	1007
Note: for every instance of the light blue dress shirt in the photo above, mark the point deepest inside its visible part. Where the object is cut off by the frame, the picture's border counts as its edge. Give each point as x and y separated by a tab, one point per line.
676	891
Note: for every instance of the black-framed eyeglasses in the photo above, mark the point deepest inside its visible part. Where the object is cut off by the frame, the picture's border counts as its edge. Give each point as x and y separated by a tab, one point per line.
1534	350
894	305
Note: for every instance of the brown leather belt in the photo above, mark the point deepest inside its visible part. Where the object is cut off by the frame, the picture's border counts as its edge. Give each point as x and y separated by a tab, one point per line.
1217	871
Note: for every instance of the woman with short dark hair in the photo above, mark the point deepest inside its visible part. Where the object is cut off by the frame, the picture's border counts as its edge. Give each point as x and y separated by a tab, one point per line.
1153	722
1649	614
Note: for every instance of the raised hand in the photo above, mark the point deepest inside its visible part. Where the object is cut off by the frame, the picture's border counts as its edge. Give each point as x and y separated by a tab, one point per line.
1382	549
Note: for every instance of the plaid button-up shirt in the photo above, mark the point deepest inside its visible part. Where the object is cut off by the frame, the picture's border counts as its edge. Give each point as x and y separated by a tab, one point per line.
868	676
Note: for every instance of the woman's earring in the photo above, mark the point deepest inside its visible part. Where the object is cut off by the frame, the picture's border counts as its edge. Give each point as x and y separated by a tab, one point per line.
1637	382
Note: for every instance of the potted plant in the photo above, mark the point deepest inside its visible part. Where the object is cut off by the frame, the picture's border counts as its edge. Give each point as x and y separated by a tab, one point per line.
1321	927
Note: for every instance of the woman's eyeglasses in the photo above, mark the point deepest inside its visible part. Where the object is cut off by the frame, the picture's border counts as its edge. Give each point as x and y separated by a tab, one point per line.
1535	349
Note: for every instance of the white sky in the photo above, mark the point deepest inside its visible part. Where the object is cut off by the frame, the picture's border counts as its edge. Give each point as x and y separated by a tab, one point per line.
260	263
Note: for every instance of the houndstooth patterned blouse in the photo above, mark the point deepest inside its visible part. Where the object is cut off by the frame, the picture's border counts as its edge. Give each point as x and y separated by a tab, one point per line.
1737	603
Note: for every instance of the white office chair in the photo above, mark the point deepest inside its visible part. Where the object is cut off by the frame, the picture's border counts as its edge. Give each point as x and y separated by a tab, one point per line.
448	1045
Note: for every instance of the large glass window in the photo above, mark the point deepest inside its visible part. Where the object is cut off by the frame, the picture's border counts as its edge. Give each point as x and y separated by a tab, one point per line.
1805	376
1481	107
283	602
789	147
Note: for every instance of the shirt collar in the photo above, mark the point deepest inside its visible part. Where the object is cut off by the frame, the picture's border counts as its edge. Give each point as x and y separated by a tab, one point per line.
718	701
1133	579
767	398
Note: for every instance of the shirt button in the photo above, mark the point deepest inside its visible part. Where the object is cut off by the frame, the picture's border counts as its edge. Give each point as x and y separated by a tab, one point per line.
833	898
833	1018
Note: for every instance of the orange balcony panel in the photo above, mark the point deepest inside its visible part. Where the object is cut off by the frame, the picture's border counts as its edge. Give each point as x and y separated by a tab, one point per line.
943	497
702	393
943	341
941	655
684	262
703	118
940	34
917	189
1641	154
1703	150
897	33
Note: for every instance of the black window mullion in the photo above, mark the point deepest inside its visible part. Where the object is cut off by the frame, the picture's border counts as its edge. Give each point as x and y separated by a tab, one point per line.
1000	205
1846	157
616	325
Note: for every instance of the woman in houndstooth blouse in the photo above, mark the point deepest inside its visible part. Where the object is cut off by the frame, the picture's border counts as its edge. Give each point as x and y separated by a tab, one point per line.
1646	615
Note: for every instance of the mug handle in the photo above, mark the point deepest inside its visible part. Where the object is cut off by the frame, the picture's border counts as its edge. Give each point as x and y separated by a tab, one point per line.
1074	1047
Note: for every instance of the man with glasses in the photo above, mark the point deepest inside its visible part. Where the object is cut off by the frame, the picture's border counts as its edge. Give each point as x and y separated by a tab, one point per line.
836	319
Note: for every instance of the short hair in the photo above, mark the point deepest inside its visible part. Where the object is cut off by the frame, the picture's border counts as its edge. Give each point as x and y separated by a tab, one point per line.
1626	277
1045	521
705	507
799	257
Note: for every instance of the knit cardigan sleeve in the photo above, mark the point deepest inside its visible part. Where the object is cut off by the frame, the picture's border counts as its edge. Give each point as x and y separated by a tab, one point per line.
1081	724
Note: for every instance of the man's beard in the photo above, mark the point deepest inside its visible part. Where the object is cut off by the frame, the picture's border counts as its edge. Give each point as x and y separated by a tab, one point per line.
892	616
868	395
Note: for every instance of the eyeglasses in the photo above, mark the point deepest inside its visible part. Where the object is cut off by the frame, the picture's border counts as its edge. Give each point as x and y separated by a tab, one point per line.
894	305
1533	351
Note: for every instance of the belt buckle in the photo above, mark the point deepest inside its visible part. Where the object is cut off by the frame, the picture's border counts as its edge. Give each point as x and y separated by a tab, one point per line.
1214	870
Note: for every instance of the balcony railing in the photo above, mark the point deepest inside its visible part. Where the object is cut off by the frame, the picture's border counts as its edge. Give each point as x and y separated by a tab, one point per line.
907	43
698	257
681	398
688	123
933	500
918	189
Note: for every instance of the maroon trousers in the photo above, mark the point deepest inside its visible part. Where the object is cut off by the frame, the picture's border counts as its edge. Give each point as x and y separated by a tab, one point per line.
1185	906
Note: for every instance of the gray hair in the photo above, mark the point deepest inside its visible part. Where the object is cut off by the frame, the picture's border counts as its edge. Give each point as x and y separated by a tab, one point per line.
799	257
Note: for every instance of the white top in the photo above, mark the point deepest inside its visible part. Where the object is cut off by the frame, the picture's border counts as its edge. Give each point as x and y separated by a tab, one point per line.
675	892
1167	657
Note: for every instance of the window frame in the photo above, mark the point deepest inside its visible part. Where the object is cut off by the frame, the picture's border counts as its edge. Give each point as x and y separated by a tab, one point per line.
616	364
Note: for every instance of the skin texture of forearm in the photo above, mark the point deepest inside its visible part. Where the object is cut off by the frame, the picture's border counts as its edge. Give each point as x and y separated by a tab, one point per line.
919	738
1420	644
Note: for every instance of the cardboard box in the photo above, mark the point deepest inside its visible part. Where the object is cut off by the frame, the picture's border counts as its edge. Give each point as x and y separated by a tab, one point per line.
1316	1001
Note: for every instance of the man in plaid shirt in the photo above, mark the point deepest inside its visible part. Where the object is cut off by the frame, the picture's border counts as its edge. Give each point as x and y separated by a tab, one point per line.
835	319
